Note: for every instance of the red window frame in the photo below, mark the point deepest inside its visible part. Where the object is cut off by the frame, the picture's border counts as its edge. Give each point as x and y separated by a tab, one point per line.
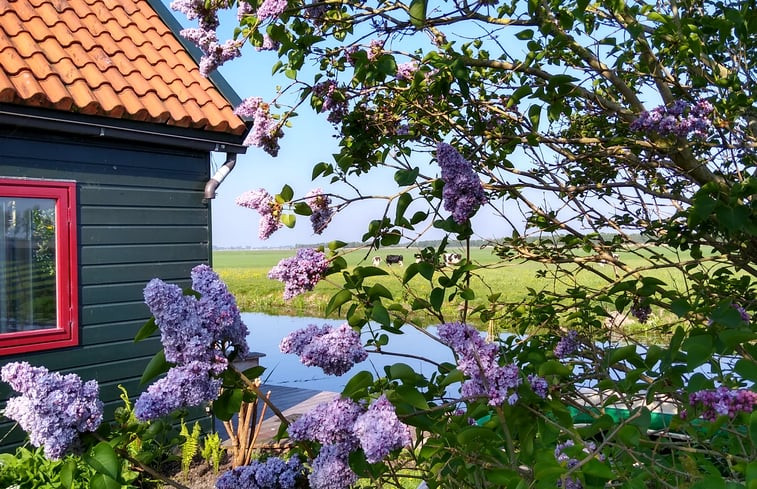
67	270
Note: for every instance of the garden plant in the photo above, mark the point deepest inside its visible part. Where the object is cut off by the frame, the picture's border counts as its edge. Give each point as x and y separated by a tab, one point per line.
576	126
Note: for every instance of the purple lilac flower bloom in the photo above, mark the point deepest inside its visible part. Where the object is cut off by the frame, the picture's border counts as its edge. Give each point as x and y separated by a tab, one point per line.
335	350
328	423
380	431
331	468
273	472
463	193
197	334
300	273
201	37
244	8
375	48
271	9
248	107
680	120
217	54
52	408
269	44
724	402
218	309
322	213
406	71
538	385
567	345
264	203
183	386
477	359
265	132
641	310
206	14
334	101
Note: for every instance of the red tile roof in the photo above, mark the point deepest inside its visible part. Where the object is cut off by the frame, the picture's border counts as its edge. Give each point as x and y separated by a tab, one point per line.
113	58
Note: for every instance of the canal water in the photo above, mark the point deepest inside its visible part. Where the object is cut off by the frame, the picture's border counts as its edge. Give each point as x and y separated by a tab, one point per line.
266	332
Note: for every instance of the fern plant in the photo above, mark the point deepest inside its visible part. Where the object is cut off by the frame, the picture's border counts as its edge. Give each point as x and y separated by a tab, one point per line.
189	447
212	451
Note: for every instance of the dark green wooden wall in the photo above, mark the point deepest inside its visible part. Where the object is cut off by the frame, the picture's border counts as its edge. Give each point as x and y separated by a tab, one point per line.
141	215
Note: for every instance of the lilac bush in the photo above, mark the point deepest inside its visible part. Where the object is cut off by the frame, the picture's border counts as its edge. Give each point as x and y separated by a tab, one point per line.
270	473
380	431
52	408
300	273
724	401
335	350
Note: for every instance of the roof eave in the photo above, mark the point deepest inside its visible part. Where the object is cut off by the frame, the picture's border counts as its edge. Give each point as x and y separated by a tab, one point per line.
111	128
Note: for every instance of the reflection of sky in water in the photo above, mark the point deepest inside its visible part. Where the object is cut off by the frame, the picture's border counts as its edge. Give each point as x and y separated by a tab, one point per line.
267	331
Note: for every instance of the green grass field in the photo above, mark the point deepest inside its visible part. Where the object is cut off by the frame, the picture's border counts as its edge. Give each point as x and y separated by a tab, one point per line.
245	272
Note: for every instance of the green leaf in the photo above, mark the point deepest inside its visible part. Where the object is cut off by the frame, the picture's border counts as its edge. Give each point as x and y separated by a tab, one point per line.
102	481
620	354
402	203
378	290
699	349
418	13
553	367
437	298
410	395
288	220
157	366
286	193
475	435
525	35
146	330
67	473
228	403
104	460
337	300
302	209
680	307
380	314
600	470
406	177
335	245
358	383
410	272
747	370
369	271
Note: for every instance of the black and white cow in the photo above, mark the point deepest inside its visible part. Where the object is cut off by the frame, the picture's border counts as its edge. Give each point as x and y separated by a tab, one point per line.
394	260
376	261
452	258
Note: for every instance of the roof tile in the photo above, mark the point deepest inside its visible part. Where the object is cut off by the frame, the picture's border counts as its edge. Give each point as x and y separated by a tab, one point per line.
114	58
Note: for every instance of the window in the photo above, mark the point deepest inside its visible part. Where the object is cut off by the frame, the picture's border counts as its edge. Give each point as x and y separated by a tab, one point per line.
38	265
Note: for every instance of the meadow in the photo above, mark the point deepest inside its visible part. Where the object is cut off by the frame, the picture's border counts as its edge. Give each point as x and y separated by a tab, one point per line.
245	272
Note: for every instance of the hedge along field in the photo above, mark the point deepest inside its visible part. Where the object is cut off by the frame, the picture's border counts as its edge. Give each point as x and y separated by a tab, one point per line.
245	272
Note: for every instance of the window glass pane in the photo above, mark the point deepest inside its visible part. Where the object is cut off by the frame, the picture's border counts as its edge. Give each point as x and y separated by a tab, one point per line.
27	266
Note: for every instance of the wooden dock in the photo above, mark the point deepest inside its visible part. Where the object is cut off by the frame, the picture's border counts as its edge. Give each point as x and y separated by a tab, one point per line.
291	401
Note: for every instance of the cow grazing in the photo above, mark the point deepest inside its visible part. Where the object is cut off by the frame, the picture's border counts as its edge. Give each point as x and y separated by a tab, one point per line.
394	259
452	258
376	261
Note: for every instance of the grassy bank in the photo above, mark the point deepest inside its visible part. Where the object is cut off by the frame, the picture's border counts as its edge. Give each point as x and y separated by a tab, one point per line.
245	271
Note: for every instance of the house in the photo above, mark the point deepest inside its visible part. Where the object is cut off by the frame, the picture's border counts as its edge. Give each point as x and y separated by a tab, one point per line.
106	134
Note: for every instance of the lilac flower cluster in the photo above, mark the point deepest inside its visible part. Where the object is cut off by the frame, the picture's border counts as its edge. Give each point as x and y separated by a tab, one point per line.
334	101
271	9
335	350
243	9
570	482
342	426
266	131
197	335
300	273
321	212
204	12
217	54
214	52
477	359
463	192
52	408
265	204
378	443
269	44
406	71
641	310
724	402
375	49
270	473
538	385
680	119
567	345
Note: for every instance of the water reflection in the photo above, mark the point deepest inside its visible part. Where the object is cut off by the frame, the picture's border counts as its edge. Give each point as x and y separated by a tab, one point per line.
266	332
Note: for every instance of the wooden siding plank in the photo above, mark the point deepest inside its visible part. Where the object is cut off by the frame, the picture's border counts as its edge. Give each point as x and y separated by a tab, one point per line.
136	272
120	292
118	195
111	313
95	255
111	235
107	332
141	216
